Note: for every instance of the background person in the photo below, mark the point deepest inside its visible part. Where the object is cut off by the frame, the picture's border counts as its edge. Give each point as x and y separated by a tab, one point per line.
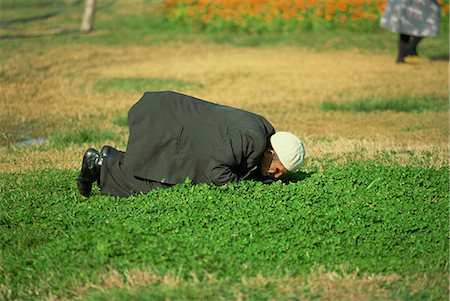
412	20
175	136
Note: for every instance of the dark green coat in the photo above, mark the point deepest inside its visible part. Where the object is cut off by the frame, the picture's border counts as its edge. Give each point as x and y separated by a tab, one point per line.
174	136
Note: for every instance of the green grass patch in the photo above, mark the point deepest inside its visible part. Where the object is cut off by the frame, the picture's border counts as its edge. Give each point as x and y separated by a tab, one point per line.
365	216
138	84
61	140
405	103
121	120
413	127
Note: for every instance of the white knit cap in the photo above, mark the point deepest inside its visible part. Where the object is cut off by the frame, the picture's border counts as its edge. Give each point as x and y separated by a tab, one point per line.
289	148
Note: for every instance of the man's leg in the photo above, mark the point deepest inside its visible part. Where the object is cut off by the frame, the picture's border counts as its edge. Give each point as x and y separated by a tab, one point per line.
116	180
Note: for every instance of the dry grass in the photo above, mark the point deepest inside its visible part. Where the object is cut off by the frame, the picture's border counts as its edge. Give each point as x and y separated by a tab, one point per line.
285	84
318	284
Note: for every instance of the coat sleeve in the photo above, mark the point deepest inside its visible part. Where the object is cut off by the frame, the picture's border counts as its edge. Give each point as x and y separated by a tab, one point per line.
239	152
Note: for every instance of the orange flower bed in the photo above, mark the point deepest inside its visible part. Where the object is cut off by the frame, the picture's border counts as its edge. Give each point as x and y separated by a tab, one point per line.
276	16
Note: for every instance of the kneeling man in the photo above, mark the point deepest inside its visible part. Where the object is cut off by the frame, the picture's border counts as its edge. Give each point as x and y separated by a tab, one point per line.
175	136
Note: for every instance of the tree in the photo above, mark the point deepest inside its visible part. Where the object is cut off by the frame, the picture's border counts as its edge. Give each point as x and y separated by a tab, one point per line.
88	19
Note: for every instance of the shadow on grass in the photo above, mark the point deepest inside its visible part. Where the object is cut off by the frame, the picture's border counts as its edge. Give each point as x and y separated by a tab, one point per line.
440	57
29	19
39	34
296	177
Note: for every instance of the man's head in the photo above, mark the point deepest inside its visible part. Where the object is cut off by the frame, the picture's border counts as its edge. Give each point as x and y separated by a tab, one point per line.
285	153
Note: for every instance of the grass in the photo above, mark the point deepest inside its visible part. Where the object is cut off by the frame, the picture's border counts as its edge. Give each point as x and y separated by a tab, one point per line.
142	285
413	128
121	120
405	103
143	26
9	9
61	140
365	217
139	84
366	220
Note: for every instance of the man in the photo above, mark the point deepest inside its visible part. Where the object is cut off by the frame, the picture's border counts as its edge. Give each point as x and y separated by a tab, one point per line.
175	136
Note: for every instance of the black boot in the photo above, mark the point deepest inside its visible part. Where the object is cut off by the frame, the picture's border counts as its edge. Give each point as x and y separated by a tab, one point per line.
90	171
109	151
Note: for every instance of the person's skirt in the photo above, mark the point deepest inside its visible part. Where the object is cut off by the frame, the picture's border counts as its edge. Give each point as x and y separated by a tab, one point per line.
418	18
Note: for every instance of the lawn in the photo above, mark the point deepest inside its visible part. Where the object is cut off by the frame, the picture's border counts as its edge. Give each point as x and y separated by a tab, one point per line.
365	219
367	224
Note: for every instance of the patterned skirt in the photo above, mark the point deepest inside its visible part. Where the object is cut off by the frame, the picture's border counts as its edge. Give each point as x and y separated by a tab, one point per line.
418	18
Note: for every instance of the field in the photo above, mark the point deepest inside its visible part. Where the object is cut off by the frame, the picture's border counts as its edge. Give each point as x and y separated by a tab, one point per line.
365	219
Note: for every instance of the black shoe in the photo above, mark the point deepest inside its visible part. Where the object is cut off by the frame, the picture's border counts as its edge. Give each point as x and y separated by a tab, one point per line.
109	151
90	171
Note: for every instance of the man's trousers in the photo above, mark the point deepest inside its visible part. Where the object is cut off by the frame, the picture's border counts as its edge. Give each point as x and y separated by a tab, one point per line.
116	180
